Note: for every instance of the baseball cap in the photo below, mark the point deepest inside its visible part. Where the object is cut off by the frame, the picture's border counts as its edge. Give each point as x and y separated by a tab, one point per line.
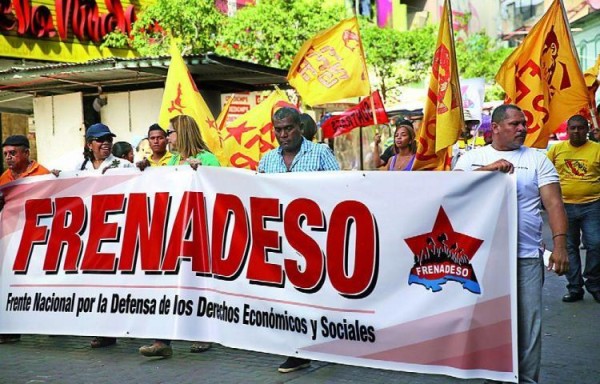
17	141
98	130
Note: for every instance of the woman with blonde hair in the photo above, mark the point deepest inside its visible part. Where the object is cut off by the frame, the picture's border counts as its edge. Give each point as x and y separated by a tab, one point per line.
187	145
186	140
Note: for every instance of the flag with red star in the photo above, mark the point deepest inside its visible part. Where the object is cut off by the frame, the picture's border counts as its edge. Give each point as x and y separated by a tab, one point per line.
181	97
250	136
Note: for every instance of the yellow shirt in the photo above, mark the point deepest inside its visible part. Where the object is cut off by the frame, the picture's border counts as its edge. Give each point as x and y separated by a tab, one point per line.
479	142
169	158
579	171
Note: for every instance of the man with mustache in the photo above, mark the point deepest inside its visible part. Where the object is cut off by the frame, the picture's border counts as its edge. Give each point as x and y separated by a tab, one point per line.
578	164
15	150
537	182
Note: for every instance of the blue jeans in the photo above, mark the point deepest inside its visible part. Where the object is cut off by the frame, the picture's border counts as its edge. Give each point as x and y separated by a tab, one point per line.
365	7
530	278
584	219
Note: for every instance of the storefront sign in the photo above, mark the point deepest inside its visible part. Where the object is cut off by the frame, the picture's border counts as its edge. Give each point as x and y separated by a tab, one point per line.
71	30
84	18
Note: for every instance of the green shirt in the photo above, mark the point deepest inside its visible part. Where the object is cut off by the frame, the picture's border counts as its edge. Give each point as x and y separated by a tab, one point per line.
206	158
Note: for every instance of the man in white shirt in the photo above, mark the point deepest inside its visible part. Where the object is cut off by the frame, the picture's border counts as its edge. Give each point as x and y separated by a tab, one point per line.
537	181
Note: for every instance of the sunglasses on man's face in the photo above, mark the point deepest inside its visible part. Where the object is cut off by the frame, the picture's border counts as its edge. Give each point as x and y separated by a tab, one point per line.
103	139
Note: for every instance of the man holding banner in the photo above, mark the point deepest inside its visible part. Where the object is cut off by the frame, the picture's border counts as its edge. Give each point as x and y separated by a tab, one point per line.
537	181
15	150
295	154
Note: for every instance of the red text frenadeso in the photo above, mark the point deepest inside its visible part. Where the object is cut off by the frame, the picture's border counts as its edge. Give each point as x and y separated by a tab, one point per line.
239	238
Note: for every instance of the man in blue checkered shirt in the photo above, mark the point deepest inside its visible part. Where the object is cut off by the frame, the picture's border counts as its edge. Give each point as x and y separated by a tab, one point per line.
295	153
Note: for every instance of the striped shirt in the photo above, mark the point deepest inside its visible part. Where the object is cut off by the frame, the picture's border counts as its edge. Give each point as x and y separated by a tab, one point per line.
311	157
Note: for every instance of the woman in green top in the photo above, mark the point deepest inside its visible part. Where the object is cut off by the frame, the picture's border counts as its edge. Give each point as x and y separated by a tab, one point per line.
185	141
185	138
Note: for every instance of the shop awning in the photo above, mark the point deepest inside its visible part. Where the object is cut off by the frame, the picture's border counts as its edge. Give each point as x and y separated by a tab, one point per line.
19	85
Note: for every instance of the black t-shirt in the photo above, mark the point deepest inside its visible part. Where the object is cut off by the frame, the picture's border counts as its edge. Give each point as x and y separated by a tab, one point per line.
387	154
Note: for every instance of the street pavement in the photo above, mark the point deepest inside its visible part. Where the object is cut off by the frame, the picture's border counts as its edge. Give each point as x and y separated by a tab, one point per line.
571	335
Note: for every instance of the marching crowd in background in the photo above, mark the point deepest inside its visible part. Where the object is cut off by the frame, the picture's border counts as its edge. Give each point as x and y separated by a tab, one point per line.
565	181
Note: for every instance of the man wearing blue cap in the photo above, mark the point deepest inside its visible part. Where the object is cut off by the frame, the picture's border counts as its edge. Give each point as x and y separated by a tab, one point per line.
97	151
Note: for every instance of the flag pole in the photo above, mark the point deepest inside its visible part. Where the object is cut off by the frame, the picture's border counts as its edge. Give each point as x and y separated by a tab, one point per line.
568	25
455	67
360	137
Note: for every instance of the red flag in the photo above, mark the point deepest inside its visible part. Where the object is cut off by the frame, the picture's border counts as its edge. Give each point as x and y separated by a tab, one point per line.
361	115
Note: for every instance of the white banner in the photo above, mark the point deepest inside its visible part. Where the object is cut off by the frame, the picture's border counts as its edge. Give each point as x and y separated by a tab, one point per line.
380	269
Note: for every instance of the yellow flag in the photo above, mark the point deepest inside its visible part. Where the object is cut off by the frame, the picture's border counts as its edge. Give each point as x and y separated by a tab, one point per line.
591	74
591	79
442	117
542	76
592	82
331	66
181	97
250	136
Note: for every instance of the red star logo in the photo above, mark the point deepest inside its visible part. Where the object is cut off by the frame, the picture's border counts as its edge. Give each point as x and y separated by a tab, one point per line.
443	254
442	233
237	132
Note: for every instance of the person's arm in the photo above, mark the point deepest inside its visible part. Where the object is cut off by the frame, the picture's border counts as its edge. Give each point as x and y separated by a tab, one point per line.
552	200
377	162
261	164
498	165
465	162
143	164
